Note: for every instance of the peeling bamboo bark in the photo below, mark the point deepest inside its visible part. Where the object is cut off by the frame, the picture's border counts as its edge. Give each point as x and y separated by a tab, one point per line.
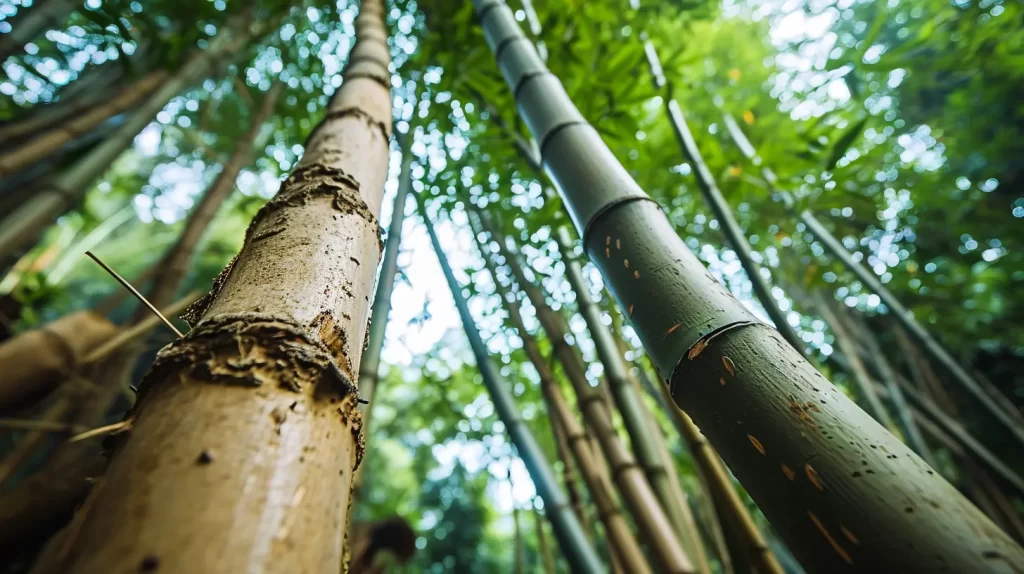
67	131
997	406
620	538
247	434
643	503
26	222
775	411
571	538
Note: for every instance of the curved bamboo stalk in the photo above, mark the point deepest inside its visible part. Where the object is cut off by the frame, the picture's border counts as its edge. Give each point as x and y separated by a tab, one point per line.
775	411
996	405
573	541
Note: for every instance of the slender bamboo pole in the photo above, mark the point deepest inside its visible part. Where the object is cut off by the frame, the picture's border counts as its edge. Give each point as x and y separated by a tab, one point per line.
542	540
571	538
67	131
1010	418
31	217
624	545
734	235
643	438
775	411
643	503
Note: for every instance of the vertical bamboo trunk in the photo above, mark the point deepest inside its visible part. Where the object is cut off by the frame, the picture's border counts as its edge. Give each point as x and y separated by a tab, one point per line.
859	372
644	438
997	405
520	558
623	544
569	471
922	374
31	25
542	540
42	208
67	131
369	370
801	448
643	504
713	196
247	434
570	535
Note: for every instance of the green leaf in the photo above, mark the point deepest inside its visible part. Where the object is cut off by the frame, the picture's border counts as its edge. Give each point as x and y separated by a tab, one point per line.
844	143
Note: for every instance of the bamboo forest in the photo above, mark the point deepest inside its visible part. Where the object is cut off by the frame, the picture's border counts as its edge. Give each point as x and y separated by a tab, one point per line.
525	286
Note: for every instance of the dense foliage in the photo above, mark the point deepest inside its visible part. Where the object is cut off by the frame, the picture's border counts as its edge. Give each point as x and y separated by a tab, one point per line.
898	123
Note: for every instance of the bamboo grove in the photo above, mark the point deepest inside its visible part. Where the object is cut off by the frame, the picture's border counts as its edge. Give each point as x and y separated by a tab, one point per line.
424	286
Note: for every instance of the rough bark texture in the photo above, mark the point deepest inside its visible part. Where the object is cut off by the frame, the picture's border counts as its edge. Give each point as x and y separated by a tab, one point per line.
247	434
70	129
647	512
35	362
800	448
571	538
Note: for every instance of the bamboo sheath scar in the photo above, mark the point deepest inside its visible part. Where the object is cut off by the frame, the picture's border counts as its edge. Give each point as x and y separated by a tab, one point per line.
800	447
247	432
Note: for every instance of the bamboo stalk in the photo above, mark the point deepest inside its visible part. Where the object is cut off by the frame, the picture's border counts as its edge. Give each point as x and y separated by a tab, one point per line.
571	538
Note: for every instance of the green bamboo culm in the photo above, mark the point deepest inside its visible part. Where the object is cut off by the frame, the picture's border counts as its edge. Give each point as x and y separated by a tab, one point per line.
844	493
992	400
26	222
370	366
735	236
571	538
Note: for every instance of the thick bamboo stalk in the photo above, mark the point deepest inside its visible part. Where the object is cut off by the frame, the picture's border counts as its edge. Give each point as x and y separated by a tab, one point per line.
623	544
247	432
1008	417
734	235
571	538
67	131
776	421
662	477
642	502
34	22
31	217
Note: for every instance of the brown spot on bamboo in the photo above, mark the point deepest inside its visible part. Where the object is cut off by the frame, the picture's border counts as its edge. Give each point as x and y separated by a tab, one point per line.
790	475
608	240
626	263
607	252
618	244
670	329
721	381
832	541
697	349
757	444
812	475
849	535
729	365
636	275
631	310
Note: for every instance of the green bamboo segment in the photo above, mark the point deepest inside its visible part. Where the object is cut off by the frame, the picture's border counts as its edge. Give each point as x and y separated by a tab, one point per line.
660	476
714	198
620	538
993	401
843	492
370	367
31	217
571	538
